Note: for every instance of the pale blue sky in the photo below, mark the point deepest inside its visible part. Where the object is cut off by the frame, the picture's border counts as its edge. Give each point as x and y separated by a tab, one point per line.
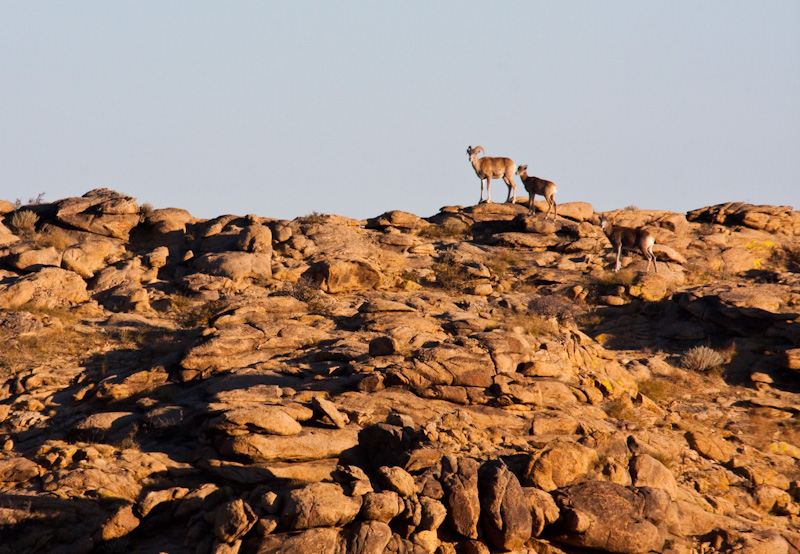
356	108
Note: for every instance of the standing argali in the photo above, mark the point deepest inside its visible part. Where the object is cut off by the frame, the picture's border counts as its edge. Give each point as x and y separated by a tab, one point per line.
535	186
493	168
630	239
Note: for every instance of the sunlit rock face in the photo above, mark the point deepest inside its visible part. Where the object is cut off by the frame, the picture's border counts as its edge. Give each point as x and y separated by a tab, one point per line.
480	380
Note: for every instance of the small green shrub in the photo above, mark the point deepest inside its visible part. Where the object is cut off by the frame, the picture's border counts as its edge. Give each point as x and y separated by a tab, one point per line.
24	222
702	359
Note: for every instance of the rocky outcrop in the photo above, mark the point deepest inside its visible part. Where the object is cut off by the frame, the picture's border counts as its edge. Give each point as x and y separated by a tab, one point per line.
101	211
473	381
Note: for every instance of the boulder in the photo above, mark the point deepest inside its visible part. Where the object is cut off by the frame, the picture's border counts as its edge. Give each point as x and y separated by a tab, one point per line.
163	497
50	287
560	465
711	446
773	219
255	237
397	219
612	518
646	471
326	540
505	513
122	522
319	505
6	207
579	211
170	220
308	445
398	480
18	469
237	266
381	506
29	260
272	420
369	537
336	276
233	520
328	410
544	510
461	495
100	211
90	256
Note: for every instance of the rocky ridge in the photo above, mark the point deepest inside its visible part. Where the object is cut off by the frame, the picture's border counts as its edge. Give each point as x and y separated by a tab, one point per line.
475	381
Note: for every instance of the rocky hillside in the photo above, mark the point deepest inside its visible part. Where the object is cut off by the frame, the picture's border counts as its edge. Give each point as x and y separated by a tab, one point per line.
478	381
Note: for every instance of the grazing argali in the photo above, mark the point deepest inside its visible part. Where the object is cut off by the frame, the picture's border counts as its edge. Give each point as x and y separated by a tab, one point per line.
630	239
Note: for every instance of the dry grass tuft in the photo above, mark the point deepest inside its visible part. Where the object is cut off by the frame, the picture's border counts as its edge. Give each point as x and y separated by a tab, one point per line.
787	257
503	262
59	340
703	359
450	230
660	389
24	223
305	290
313	218
535	324
190	313
145	211
55	238
624	277
450	273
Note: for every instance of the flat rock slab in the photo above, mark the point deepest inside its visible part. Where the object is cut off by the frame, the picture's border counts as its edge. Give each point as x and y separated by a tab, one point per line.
309	445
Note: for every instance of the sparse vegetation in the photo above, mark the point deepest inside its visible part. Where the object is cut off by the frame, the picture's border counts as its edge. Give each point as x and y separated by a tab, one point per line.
407	275
787	257
451	273
313	218
624	277
58	339
503	262
535	324
452	229
24	223
660	389
190	313
111	401
145	211
36	199
305	290
53	237
703	359
552	306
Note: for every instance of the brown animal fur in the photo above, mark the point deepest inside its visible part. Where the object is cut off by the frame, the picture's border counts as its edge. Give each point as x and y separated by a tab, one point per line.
630	239
535	186
493	168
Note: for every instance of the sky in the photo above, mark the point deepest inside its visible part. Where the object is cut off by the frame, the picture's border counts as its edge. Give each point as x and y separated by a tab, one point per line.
356	108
